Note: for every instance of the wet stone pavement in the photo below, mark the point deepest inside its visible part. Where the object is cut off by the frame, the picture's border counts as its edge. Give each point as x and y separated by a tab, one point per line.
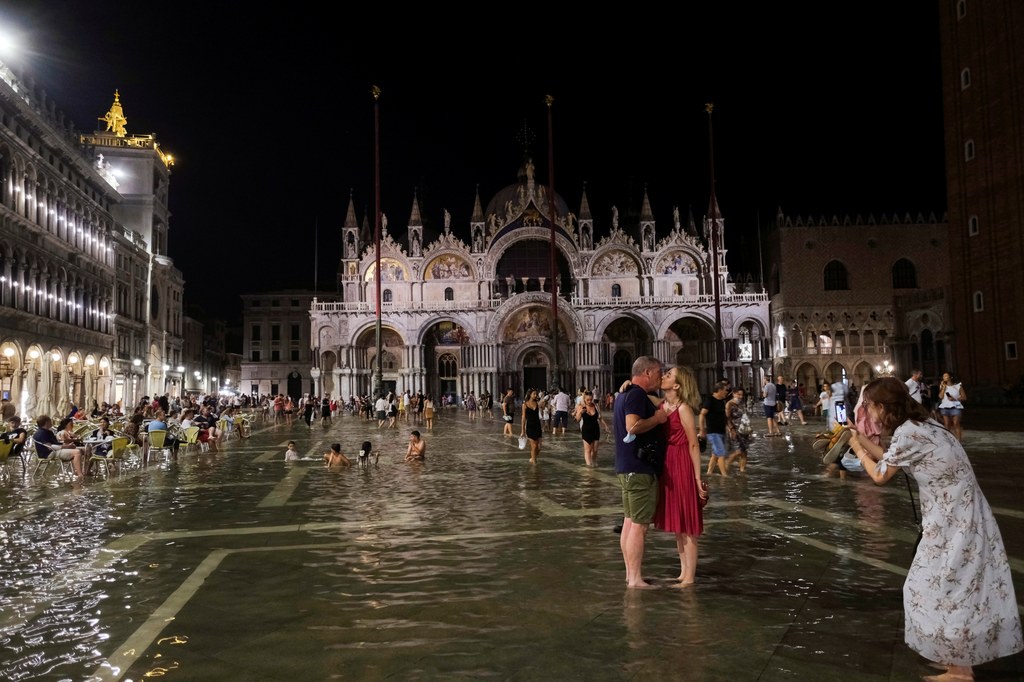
471	565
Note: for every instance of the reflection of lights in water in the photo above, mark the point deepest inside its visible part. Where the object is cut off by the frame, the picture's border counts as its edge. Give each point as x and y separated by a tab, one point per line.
173	639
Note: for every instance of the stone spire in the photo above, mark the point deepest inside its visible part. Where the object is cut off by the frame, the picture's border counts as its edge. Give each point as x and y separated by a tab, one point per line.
350	216
645	208
415	228
585	238
647	234
414	215
478	212
585	205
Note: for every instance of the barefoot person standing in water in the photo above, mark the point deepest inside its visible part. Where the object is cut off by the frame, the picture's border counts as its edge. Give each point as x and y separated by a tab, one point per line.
634	419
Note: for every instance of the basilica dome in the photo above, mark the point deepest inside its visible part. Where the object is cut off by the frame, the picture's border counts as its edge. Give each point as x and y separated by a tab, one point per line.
509	202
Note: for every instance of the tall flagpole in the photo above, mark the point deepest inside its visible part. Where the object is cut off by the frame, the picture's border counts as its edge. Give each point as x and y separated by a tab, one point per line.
378	372
316	255
556	372
719	351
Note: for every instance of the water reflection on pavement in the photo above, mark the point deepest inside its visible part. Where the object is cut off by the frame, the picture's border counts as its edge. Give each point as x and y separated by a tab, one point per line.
472	564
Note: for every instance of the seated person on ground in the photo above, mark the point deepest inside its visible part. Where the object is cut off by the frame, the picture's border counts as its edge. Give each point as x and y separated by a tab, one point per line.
417	451
335	458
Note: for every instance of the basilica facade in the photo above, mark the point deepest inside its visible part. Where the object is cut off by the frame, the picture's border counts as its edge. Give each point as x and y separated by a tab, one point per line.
478	315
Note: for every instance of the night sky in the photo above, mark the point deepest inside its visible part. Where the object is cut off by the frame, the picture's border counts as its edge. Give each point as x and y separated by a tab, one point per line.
821	109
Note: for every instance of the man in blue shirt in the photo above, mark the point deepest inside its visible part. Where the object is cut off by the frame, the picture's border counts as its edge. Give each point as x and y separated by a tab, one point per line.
635	420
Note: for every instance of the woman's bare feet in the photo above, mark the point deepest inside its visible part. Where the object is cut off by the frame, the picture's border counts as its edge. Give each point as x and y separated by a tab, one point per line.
954	673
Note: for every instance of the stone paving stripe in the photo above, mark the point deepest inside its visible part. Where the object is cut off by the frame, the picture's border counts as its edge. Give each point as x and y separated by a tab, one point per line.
285	488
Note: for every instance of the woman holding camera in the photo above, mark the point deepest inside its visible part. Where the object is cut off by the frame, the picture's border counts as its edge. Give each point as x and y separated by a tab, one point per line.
959	602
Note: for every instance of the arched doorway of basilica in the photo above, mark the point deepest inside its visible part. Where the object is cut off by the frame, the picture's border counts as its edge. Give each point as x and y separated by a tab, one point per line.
442	348
392	352
627	339
694	342
535	371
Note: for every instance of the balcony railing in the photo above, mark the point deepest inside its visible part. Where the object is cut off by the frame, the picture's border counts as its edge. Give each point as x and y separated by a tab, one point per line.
577	302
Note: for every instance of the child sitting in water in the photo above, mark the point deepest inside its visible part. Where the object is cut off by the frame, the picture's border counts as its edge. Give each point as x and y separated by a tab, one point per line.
291	454
365	452
335	458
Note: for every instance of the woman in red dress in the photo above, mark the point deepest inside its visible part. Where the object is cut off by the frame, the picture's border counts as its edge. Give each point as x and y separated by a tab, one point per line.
679	486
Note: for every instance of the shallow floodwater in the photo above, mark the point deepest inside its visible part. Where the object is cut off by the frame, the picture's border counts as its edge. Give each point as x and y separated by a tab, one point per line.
471	565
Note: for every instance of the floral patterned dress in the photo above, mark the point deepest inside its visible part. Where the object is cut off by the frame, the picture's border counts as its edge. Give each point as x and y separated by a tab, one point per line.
737	441
959	602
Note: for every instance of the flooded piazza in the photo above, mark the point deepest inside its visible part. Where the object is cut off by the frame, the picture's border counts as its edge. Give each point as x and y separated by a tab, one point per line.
236	565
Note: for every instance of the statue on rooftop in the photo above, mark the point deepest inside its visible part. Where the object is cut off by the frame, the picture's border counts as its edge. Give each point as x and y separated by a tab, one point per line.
115	118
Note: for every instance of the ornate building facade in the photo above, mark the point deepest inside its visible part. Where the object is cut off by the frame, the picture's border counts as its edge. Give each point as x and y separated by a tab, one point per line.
850	295
89	309
462	316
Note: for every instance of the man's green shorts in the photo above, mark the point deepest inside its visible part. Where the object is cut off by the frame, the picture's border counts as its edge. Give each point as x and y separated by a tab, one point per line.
639	497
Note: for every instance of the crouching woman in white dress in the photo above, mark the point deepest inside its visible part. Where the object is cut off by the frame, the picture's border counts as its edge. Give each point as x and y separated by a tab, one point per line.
958	600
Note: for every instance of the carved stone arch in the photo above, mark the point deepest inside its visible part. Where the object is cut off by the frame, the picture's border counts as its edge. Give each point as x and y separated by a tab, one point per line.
602	263
566	314
427	328
565	245
643	322
448	258
863	372
834	371
759	329
807	377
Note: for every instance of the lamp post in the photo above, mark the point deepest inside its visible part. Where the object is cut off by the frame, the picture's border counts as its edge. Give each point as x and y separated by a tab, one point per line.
719	351
556	379
378	372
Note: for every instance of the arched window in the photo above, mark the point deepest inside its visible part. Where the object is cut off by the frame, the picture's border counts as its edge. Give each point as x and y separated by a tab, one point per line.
835	277
972	225
677	289
449	294
616	291
961	9
979	302
904	275
969	150
965	79
386	296
447	367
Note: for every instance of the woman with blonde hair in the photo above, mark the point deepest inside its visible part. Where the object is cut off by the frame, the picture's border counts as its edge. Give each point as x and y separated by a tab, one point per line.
679	486
589	417
958	600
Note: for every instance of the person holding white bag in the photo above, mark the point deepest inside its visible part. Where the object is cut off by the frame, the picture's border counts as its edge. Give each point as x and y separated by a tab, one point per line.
531	427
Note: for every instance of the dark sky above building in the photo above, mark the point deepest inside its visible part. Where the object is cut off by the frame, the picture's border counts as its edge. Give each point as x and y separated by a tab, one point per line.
820	109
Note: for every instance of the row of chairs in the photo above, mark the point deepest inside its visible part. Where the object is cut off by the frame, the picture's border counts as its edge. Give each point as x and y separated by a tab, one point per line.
123	449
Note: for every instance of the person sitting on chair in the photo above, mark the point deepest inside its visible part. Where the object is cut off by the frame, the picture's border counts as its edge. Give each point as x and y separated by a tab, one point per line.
44	437
15	435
